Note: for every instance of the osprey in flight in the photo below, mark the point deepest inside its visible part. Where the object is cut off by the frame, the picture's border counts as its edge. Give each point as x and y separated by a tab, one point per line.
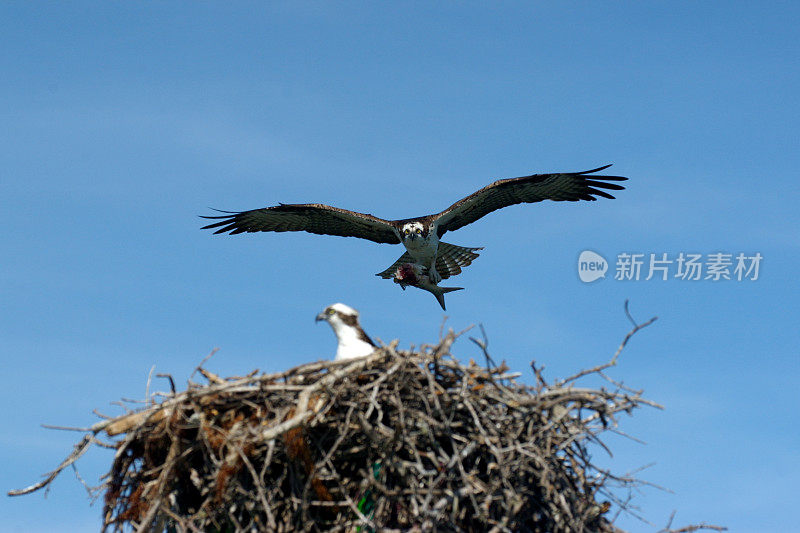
353	341
421	235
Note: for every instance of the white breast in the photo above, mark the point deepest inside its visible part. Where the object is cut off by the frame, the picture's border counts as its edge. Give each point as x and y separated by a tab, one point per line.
423	250
351	346
350	343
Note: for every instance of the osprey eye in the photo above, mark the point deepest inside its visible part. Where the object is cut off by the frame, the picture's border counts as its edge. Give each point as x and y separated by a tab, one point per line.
419	231
330	311
406	232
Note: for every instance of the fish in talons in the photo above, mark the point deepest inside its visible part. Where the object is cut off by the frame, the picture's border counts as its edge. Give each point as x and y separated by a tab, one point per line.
416	275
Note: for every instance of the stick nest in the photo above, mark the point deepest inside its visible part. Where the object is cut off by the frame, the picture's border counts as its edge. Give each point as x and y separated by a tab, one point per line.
397	440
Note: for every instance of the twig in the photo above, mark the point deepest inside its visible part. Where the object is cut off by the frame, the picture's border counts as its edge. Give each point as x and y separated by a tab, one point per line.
78	451
66	428
205	359
613	361
147	387
171	381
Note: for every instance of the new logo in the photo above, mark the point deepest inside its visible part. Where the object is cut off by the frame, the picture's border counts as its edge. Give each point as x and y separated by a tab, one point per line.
591	266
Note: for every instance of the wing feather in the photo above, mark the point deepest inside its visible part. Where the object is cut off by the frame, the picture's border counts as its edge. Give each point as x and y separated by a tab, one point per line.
313	218
571	187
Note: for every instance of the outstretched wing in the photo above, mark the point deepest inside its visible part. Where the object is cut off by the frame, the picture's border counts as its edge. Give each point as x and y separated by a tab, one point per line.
571	187
313	218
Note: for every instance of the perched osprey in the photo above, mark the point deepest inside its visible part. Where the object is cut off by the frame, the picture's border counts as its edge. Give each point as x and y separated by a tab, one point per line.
353	341
421	235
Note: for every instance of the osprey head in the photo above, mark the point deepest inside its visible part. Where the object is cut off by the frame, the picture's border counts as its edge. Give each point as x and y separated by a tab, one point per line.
412	231
338	314
353	341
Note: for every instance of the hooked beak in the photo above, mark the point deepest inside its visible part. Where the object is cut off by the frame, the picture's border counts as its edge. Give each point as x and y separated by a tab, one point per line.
321	316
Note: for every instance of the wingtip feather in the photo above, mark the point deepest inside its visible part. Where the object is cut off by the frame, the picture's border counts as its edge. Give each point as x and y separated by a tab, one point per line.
598	169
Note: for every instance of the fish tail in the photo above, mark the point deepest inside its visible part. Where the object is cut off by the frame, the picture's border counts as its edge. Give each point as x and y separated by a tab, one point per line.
441	291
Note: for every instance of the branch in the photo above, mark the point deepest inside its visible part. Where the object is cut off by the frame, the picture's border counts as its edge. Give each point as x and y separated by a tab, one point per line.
613	361
79	450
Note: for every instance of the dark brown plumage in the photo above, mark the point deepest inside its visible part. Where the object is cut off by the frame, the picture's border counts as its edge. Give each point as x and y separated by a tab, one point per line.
421	235
327	220
570	187
313	218
352	321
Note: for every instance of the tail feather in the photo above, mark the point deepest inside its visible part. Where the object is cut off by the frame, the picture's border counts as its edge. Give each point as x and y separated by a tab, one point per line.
450	259
389	272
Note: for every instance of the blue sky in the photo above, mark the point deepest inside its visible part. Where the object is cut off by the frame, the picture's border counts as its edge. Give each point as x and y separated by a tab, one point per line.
124	121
